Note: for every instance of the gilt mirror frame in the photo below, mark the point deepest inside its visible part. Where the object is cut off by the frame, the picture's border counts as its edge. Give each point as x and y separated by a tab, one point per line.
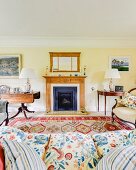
64	61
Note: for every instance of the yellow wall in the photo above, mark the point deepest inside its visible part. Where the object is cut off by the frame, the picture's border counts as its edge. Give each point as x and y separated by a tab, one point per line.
96	60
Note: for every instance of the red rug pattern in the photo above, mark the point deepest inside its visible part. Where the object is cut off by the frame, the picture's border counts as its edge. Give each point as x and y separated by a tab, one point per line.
81	124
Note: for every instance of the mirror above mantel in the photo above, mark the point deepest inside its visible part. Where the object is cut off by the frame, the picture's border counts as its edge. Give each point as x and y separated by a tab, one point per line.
64	61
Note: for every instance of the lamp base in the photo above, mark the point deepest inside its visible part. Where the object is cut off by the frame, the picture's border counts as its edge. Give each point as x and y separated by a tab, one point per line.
28	87
111	86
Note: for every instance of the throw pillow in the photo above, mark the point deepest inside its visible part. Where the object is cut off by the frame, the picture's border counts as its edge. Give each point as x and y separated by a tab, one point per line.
129	100
106	141
2	159
123	157
21	156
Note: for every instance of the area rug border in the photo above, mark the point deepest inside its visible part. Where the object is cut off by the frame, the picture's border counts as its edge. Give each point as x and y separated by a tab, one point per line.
78	118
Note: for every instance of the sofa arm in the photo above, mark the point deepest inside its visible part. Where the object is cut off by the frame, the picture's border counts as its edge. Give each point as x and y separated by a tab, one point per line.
118	103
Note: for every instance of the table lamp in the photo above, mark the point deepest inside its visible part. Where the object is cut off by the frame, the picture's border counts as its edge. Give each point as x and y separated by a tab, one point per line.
27	73
112	74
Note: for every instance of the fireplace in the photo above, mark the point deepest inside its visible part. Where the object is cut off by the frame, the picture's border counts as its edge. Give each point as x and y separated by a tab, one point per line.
65	81
64	98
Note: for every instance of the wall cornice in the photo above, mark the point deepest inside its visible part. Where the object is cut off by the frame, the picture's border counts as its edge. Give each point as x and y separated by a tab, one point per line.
68	42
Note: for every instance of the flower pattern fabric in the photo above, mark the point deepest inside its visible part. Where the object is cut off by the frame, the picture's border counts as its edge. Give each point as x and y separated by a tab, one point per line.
71	151
129	100
109	140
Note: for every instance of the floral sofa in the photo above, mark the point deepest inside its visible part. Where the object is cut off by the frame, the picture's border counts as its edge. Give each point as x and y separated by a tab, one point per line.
65	151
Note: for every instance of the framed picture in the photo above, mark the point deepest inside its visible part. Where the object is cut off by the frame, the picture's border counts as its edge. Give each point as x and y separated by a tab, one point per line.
121	63
119	88
10	65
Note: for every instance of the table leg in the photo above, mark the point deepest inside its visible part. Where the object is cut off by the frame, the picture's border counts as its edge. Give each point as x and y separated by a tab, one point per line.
105	105
98	102
23	109
25	114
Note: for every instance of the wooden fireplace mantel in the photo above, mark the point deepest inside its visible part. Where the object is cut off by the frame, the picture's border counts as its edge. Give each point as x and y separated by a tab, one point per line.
65	80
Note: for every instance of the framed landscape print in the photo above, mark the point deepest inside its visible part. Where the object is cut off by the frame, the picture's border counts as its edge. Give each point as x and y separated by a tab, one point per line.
10	65
121	63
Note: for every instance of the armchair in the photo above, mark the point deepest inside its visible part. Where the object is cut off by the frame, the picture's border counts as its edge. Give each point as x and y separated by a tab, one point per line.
4	112
125	108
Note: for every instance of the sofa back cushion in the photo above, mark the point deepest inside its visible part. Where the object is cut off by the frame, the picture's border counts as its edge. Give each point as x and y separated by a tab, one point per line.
21	156
71	151
2	159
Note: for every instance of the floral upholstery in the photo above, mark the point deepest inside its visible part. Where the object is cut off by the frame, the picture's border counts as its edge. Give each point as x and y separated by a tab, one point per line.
129	100
71	151
36	141
109	140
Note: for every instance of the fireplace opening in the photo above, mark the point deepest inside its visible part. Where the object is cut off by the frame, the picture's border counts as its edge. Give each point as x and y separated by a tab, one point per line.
64	98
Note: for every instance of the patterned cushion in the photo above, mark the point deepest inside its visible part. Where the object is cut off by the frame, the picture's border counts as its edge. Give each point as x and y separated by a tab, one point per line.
109	140
21	156
71	151
123	158
37	141
129	100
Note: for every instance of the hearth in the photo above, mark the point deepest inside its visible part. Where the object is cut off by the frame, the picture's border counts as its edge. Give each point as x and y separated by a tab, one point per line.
64	98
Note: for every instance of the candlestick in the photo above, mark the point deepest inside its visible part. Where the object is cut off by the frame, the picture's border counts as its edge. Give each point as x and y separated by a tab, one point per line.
84	70
46	73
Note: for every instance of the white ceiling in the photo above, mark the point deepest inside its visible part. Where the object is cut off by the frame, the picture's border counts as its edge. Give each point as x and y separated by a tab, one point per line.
68	18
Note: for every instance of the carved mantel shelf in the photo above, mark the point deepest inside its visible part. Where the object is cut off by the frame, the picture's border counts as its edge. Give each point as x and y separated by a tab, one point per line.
65	80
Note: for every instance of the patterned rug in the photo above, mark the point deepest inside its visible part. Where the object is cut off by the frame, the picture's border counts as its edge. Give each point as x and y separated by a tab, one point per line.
81	124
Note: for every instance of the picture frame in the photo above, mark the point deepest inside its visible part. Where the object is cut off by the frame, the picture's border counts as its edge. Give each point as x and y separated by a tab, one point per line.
64	61
119	88
122	63
10	65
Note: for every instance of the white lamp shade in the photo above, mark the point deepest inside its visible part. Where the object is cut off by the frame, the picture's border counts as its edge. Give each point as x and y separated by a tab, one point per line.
112	73
27	73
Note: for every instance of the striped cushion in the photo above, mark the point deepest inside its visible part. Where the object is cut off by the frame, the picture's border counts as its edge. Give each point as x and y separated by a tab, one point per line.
120	158
20	156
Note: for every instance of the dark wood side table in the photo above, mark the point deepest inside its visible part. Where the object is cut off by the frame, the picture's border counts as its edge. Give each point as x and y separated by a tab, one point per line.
108	93
21	98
